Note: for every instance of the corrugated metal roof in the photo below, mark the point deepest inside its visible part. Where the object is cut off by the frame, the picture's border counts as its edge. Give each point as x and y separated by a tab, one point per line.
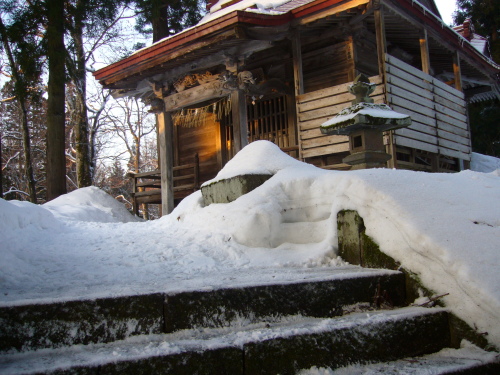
482	97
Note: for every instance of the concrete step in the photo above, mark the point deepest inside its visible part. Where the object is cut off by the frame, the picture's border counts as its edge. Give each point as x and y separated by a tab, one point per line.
53	325
466	361
283	347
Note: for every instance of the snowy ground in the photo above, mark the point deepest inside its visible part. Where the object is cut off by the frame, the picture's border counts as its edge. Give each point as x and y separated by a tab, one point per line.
444	227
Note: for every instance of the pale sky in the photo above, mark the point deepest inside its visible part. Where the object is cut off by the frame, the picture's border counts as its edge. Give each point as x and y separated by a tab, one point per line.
446	8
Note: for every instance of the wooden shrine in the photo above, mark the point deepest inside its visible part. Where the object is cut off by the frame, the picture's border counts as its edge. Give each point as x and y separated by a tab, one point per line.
244	74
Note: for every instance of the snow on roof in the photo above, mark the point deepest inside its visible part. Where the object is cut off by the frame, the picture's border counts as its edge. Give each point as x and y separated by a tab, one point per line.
224	7
479	42
378	111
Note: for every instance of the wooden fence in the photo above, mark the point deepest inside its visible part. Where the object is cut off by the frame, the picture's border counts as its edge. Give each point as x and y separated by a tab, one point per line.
438	111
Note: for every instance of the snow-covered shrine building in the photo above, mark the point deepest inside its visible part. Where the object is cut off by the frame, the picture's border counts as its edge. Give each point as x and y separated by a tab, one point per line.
276	70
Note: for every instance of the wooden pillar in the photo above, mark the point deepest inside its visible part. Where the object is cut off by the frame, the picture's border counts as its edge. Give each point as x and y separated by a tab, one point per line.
165	134
292	121
219	142
381	40
457	71
351	58
424	53
239	114
297	64
389	141
298	78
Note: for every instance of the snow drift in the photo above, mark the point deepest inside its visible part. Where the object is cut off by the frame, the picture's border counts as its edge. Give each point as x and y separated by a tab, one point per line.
443	227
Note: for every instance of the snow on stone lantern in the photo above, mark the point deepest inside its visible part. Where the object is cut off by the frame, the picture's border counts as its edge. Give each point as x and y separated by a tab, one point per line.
364	122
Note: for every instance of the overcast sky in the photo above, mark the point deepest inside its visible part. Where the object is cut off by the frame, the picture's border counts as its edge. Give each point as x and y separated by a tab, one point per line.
446	8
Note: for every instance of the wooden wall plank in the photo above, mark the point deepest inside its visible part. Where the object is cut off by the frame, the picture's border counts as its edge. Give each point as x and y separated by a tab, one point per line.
394	62
453	137
463	132
324	141
413	134
453	106
447	111
430	121
451	120
331	91
413	143
422	97
423	128
332	149
326	101
452	145
454	154
402	102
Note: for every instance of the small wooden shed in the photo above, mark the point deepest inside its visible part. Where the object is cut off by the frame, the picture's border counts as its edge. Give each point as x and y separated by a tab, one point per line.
248	72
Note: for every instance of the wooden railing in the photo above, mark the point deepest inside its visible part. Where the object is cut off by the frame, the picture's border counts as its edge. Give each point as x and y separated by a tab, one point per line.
146	187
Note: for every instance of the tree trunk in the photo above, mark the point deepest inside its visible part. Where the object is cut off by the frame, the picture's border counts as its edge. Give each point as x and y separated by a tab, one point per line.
81	126
160	23
56	159
21	99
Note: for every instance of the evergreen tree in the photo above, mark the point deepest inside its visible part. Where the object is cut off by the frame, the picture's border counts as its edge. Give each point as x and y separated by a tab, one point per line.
56	159
163	18
485	127
484	117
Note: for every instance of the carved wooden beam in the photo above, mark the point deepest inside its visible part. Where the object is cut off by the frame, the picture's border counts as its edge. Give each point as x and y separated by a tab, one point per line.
198	94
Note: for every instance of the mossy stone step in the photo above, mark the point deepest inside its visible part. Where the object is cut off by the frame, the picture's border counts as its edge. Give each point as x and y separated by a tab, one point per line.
104	320
326	298
464	361
279	348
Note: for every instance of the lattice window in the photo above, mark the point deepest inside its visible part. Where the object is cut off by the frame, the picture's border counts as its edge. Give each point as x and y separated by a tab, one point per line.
268	120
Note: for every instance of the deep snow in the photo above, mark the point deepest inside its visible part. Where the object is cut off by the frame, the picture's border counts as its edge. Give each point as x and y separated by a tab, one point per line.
444	227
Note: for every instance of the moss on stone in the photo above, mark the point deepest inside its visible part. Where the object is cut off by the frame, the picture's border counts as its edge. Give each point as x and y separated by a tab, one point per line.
230	189
460	330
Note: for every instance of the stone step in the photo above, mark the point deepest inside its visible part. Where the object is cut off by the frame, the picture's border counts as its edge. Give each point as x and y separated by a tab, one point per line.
465	361
52	325
283	347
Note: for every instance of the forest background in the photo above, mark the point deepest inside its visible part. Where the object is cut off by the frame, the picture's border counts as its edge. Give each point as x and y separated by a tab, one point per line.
59	130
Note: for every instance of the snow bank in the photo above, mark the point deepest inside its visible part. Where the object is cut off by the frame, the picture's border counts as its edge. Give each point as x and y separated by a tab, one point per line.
89	204
17	215
444	227
485	163
262	158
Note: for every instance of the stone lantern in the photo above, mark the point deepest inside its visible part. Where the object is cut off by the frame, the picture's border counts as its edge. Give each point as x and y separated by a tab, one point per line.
364	123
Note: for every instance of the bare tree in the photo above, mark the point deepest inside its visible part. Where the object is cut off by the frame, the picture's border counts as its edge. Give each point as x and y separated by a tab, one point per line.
131	122
20	91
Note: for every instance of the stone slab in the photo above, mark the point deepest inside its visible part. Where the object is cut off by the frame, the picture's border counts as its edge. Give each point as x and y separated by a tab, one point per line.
228	190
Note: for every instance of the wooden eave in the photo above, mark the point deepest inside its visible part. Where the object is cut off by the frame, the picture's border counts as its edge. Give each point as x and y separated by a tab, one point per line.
229	30
218	33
